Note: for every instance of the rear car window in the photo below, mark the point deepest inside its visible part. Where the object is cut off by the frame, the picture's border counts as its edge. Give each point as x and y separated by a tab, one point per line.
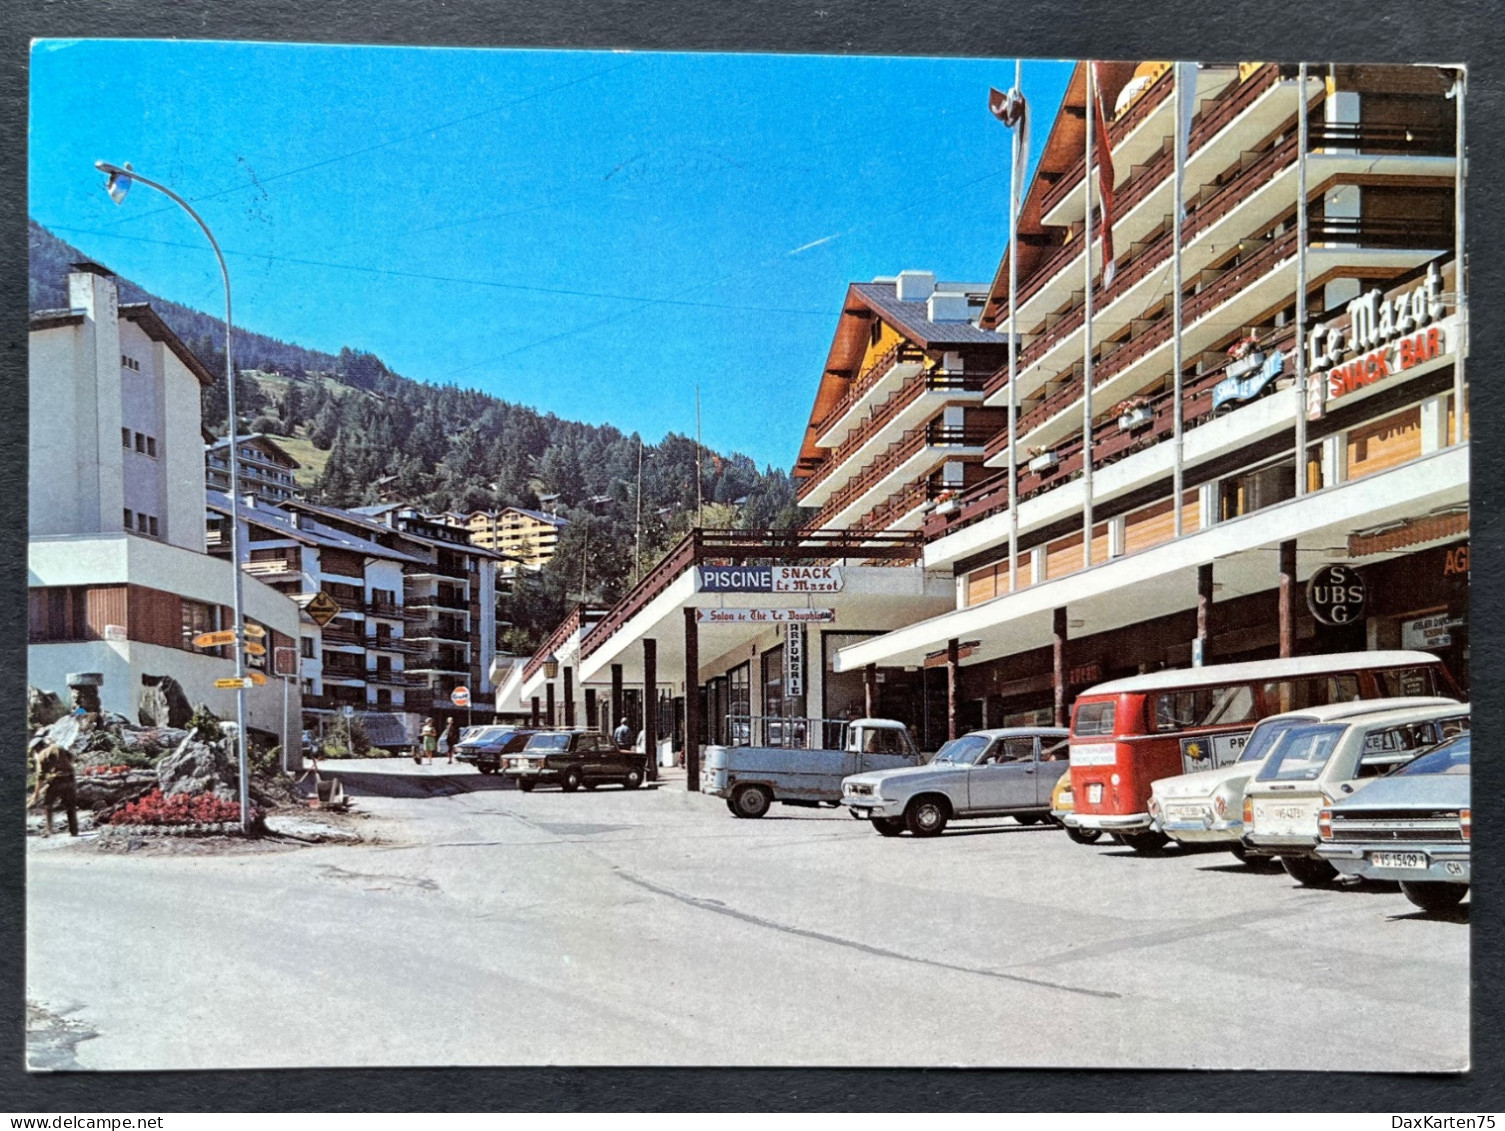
1094	718
1301	753
1409	681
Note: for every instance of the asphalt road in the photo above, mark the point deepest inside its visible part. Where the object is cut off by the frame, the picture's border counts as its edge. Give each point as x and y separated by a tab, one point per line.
490	926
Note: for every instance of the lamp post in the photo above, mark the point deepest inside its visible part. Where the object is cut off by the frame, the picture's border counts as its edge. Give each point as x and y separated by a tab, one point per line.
117	186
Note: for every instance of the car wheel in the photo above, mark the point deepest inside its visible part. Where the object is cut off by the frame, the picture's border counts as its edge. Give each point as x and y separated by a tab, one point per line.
633	779
927	816
1146	843
485	769
888	826
1084	836
572	780
1028	819
525	785
1433	896
751	801
1308	872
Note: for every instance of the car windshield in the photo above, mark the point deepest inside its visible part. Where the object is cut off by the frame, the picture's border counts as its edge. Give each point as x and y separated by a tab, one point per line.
549	742
1449	758
482	734
963	751
1266	736
1301	753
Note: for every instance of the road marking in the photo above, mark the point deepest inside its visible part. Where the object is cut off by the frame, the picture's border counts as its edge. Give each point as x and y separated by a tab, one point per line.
716	907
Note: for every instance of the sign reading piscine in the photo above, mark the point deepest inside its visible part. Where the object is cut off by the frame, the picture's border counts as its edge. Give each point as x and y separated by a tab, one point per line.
771	579
765	616
1389	335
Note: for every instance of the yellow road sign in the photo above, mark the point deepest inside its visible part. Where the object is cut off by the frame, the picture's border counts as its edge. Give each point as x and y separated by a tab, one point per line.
214	639
323	608
254	649
233	682
255	630
256	677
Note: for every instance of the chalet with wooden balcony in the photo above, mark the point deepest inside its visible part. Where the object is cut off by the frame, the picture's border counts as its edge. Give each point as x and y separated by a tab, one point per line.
899	419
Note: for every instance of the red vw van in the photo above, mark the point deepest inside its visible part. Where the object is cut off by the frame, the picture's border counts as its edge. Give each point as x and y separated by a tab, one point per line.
1127	733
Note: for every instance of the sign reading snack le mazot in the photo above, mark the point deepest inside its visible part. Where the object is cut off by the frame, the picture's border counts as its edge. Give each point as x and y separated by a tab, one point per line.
764	616
771	579
1386	334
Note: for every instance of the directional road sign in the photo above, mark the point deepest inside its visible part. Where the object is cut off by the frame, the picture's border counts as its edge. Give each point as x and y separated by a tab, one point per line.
233	682
255	630
256	677
214	639
254	649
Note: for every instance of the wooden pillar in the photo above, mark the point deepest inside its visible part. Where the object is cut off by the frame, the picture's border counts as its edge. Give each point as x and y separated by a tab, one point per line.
953	685
1058	657
870	690
592	714
1288	598
535	711
616	699
1204	610
548	693
692	702
650	706
569	695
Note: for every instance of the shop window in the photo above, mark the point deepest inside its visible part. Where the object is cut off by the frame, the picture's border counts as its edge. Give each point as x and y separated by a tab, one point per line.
59	613
1254	490
1385	443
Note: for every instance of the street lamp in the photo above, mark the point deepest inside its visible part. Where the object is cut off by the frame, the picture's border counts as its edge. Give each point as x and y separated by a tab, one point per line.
117	186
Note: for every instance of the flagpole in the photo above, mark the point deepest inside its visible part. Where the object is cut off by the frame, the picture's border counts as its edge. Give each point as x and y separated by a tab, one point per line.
1087	332
699	499
1014	337
1301	283
1177	358
1460	303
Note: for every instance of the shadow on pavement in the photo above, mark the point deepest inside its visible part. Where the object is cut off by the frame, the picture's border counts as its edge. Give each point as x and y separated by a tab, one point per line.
366	784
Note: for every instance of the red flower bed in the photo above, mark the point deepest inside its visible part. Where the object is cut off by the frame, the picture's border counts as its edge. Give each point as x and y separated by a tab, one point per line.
178	809
90	771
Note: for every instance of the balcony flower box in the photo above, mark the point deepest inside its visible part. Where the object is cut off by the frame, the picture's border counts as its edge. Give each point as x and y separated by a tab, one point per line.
1136	417
1246	364
1043	463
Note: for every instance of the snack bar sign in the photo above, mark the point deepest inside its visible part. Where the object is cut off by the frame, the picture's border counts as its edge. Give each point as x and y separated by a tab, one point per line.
1388	335
770	579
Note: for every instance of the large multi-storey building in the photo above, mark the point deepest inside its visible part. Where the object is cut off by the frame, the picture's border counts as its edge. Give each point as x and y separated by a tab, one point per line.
528	537
1102	567
119	581
264	468
358	657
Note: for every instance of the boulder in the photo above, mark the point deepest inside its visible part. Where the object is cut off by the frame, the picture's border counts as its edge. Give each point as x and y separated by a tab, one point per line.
43	708
71	732
162	702
200	767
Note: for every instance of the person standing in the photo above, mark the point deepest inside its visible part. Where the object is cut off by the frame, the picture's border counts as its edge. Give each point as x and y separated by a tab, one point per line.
621	736
430	740
449	740
55	785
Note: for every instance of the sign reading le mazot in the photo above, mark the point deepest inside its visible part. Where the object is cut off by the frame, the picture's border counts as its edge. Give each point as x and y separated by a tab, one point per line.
770	579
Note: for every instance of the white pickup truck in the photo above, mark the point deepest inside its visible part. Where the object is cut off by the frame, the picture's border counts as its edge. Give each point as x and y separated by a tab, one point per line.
752	778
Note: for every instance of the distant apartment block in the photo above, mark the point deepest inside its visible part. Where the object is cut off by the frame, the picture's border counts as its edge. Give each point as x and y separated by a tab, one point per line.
528	536
263	468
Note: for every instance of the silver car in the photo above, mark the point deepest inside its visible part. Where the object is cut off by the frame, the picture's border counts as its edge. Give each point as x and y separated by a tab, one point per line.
987	773
1315	765
1207	807
1413	825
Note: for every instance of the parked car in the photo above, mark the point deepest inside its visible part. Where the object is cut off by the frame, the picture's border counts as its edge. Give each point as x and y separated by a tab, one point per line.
987	773
752	778
484	746
1413	825
1207	807
573	758
1319	763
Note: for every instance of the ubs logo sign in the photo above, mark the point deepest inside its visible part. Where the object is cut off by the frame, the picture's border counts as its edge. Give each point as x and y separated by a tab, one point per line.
1336	595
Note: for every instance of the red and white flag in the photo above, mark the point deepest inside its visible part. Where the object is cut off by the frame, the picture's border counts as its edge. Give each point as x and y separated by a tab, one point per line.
1104	159
1010	108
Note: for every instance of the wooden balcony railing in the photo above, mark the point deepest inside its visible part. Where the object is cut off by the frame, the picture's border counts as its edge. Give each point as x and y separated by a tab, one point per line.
581	616
903	351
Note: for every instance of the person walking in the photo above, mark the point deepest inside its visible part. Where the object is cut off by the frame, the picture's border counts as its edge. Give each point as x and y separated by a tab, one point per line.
55	785
430	740
448	741
621	736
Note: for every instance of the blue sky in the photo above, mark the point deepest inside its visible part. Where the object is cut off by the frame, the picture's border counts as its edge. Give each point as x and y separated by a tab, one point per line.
591	233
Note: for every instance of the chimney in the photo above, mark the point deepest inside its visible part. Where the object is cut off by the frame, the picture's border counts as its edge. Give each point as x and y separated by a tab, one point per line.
915	286
91	288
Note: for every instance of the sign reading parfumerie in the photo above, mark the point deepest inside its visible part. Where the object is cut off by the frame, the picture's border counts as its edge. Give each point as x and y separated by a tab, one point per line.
771	579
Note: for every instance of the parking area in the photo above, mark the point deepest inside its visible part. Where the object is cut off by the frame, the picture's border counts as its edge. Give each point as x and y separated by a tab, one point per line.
489	926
